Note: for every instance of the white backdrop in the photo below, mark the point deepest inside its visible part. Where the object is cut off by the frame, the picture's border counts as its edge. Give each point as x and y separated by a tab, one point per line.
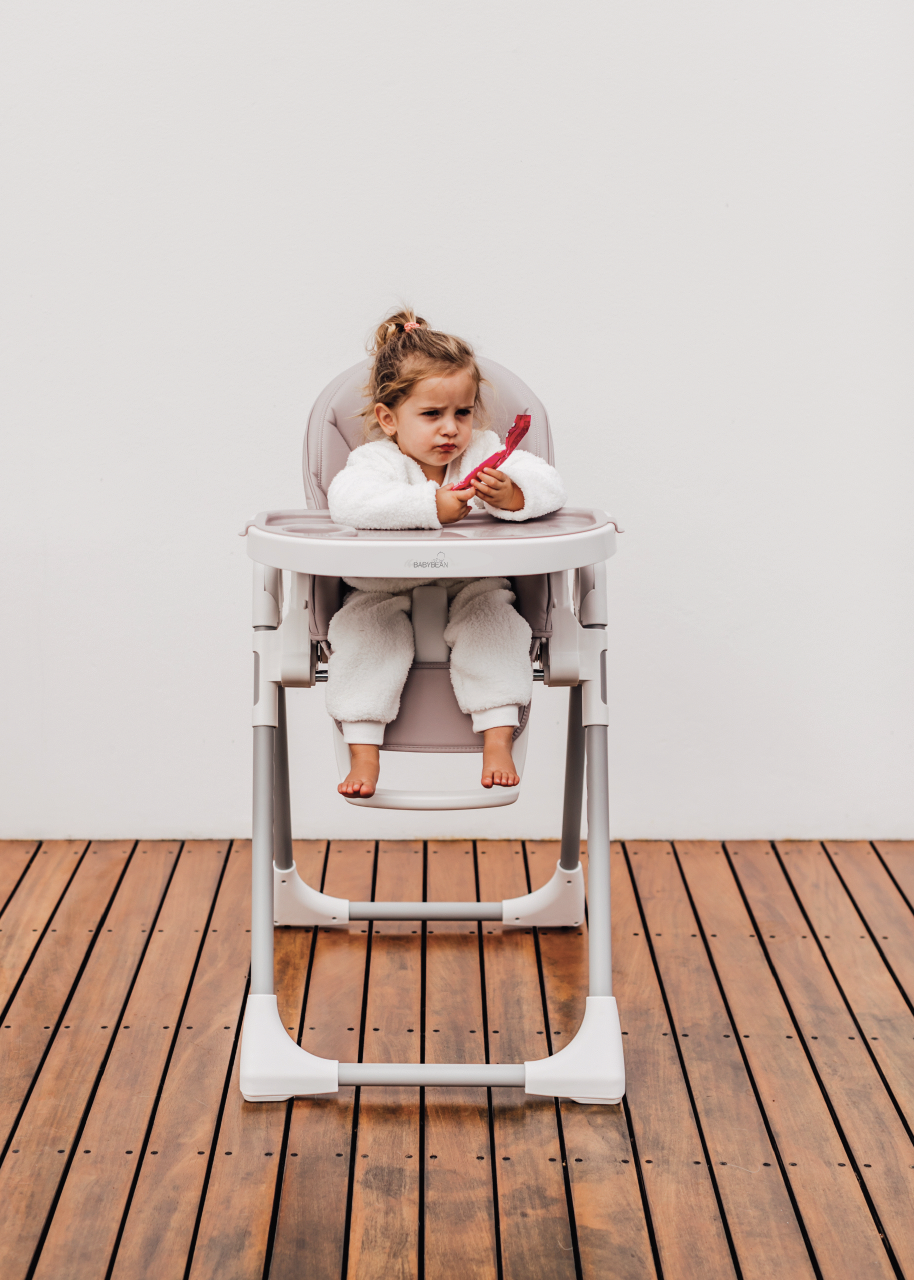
687	226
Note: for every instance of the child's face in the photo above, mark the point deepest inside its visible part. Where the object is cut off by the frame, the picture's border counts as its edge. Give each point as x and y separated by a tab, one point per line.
434	423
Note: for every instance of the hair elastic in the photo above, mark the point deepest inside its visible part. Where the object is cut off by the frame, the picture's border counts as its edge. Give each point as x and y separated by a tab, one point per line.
413	324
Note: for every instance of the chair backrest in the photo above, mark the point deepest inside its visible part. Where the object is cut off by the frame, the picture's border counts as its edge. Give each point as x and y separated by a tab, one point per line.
335	425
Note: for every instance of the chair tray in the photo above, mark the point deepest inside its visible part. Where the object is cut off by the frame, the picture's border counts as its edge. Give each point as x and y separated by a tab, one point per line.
479	546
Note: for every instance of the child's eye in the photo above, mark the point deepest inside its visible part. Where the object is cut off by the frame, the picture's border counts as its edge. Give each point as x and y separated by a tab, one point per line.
431	413
464	413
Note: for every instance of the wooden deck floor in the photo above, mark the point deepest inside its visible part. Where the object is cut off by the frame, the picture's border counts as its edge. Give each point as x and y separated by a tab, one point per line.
766	1000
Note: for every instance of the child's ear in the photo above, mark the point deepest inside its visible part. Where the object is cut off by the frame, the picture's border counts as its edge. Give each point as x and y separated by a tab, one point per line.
385	420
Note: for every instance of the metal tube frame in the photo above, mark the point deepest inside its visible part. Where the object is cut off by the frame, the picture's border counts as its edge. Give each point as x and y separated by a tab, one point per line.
599	932
282	809
574	781
425	911
504	1075
262	863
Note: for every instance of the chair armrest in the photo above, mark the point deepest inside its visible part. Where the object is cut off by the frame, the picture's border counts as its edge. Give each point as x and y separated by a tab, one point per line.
560	653
266	608
299	652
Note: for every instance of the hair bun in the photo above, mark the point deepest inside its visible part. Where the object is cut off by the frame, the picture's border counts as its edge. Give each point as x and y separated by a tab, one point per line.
394	328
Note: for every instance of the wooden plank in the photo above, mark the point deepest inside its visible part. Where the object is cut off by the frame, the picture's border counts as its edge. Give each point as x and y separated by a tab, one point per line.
879	902
764	1231
99	1180
384	1226
15	856
898	856
311	1227
609	1211
235	1223
459	1195
32	906
684	1211
163	1210
51	1120
536	1236
879	1006
863	1108
33	1015
840	1228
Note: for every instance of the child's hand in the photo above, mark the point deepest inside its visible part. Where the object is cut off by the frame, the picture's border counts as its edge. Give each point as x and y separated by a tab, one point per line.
498	490
453	506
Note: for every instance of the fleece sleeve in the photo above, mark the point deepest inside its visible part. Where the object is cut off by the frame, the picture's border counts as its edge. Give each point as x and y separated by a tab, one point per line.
371	492
540	484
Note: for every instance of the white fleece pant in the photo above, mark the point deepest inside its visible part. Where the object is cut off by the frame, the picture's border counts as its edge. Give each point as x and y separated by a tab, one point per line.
373	648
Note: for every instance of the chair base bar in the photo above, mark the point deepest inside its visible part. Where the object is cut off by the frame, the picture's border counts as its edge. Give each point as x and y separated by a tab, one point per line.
425	911
589	1069
502	1075
559	903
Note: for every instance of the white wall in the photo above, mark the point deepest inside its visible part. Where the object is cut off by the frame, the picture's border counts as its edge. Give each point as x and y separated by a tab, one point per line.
686	225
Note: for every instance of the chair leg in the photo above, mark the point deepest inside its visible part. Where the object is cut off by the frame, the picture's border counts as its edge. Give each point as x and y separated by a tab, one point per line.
574	781
262	863
591	1067
282	812
598	920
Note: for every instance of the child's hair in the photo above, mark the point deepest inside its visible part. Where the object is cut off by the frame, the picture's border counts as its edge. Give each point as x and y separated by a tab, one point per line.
405	351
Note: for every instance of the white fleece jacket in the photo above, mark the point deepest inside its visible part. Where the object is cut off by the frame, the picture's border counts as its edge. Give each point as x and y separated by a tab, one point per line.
382	488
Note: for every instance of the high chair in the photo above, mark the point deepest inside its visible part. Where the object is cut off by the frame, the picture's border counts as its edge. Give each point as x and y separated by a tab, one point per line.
569	648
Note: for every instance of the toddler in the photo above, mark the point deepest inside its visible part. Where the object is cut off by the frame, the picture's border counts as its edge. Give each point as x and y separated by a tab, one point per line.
423	424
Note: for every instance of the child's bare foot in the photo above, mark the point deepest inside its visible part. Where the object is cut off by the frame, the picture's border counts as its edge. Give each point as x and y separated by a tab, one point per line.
497	762
363	774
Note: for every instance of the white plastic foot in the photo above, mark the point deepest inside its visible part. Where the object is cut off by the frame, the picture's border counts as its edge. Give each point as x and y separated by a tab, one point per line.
559	902
589	1069
273	1066
296	903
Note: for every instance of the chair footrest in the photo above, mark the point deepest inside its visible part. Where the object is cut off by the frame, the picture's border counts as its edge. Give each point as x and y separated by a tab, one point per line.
419	800
479	797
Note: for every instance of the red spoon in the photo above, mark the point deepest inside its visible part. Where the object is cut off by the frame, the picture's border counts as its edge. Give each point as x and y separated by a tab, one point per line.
512	440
